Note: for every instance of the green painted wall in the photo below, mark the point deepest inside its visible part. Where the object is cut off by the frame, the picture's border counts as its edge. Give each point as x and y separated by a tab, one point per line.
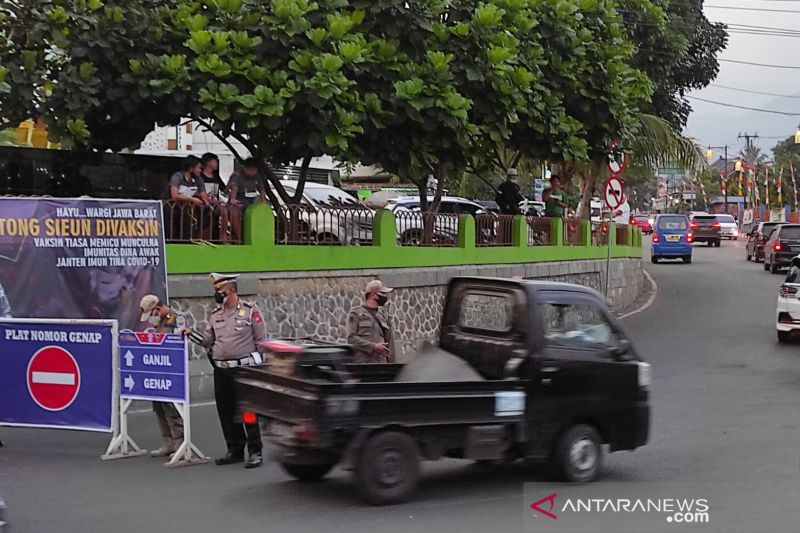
261	254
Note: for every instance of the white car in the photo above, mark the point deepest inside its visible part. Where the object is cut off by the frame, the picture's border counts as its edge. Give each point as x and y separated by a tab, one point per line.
787	314
327	215
728	228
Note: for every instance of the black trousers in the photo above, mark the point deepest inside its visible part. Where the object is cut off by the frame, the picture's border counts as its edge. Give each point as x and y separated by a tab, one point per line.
236	433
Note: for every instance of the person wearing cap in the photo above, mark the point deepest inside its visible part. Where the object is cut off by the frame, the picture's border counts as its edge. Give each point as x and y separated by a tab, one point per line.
234	330
161	319
368	331
508	196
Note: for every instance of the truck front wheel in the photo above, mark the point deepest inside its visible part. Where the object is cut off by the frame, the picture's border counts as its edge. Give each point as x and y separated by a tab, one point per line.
307	472
580	453
387	470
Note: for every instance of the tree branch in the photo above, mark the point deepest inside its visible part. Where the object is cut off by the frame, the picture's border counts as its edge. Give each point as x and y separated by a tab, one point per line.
301	182
221	138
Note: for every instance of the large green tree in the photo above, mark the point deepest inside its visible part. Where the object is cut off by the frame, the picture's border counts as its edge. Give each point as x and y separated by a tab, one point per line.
417	87
678	56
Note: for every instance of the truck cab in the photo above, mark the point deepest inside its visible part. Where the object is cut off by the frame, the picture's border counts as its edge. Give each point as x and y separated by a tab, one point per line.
523	369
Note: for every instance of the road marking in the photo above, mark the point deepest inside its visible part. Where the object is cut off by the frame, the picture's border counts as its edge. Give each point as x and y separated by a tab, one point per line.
53	378
649	301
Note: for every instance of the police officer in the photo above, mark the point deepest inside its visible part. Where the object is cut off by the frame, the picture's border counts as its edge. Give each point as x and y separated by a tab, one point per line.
162	319
368	331
235	328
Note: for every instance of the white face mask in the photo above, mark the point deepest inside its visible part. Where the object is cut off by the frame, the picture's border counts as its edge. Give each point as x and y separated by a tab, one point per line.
154	320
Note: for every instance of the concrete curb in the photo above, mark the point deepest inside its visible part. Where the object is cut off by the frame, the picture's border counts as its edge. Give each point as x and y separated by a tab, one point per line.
649	301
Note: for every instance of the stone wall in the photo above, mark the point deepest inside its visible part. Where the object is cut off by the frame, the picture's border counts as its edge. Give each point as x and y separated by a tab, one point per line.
314	304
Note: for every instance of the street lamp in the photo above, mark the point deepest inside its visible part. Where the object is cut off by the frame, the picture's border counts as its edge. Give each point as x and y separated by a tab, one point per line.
797	135
710	152
738	165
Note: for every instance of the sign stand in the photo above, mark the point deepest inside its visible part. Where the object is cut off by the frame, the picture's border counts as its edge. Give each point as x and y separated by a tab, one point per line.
613	194
122	445
154	367
187	453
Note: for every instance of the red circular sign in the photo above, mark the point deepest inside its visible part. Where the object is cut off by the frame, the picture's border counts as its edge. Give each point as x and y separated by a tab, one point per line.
54	378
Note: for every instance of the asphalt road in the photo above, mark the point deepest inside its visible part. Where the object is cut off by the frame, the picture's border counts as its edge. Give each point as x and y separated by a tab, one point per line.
725	411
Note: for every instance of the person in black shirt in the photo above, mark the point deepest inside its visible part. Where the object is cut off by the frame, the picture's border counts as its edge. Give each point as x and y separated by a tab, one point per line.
508	196
215	188
185	197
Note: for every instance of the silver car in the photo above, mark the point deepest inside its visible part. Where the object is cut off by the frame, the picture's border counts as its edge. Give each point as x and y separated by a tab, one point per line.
728	228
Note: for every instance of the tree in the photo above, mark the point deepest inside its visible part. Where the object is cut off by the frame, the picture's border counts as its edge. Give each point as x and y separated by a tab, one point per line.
467	82
678	56
277	76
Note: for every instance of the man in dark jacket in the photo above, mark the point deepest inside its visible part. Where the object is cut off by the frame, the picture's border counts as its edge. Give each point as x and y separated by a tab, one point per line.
508	196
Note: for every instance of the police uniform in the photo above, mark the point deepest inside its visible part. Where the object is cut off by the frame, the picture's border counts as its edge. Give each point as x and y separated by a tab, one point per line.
365	329
234	335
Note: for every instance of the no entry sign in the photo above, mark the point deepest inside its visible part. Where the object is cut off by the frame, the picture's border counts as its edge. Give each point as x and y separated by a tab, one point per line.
58	373
54	378
613	192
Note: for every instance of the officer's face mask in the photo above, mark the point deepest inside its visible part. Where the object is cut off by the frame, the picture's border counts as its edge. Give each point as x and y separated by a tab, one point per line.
219	297
382	299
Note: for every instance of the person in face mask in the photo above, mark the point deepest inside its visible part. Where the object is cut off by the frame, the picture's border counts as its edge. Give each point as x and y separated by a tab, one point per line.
161	319
235	329
369	331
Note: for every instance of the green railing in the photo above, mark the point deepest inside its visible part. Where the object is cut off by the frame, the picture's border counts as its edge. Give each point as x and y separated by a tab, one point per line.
260	253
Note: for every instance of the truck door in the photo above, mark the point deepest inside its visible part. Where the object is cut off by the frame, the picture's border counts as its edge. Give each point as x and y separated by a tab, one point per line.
576	374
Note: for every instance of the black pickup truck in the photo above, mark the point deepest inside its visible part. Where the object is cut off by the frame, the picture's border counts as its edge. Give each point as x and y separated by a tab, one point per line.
523	369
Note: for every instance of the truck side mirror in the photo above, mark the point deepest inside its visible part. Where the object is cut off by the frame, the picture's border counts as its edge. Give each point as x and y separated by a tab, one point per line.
622	350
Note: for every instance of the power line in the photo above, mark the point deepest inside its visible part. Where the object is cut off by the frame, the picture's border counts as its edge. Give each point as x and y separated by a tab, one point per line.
755	92
725	104
755	9
793	67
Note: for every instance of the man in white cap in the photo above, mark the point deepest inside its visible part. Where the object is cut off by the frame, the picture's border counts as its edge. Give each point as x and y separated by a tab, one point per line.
161	319
234	330
368	331
508	196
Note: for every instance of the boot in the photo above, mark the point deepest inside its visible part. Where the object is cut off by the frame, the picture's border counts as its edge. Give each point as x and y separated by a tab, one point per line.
166	448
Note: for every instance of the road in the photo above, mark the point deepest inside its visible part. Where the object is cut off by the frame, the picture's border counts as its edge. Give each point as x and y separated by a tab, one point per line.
725	409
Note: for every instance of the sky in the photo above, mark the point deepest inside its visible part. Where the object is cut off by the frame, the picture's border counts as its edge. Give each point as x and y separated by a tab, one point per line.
715	125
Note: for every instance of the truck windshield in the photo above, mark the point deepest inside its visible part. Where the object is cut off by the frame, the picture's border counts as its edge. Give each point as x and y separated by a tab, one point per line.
676	223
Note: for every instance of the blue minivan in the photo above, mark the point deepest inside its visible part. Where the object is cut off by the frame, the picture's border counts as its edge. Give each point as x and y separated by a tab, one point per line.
672	238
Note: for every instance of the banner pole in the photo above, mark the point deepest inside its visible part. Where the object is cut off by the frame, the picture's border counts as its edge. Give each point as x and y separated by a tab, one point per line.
187	453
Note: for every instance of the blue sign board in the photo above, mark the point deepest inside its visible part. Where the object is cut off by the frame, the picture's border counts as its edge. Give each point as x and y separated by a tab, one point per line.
538	189
153	366
57	374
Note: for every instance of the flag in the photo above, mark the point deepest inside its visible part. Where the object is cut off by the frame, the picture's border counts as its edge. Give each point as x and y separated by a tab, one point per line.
723	182
779	188
794	184
766	185
741	179
752	183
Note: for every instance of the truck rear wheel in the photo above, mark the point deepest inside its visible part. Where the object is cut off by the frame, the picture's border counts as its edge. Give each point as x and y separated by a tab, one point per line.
387	471
307	472
580	453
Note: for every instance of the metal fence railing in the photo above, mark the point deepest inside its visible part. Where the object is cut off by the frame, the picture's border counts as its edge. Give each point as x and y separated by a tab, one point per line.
184	222
622	235
415	228
493	230
600	234
540	231
572	232
304	224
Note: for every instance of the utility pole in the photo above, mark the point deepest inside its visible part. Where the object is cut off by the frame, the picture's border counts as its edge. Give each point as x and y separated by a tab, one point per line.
748	144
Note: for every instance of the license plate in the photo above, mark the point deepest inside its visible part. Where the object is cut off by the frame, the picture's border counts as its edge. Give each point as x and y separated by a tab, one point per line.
279	429
673	238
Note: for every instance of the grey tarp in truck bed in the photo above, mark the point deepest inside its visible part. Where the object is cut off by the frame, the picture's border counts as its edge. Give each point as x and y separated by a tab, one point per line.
434	364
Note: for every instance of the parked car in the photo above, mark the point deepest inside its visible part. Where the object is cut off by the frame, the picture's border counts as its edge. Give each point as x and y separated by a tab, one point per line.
728	228
706	228
544	371
754	248
326	215
672	238
782	245
643	223
787	314
410	228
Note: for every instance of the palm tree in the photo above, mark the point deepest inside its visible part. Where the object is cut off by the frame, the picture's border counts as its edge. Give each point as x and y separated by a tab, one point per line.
753	156
8	137
652	144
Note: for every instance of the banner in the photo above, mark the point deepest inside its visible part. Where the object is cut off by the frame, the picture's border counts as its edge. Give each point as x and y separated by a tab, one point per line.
58	374
80	258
